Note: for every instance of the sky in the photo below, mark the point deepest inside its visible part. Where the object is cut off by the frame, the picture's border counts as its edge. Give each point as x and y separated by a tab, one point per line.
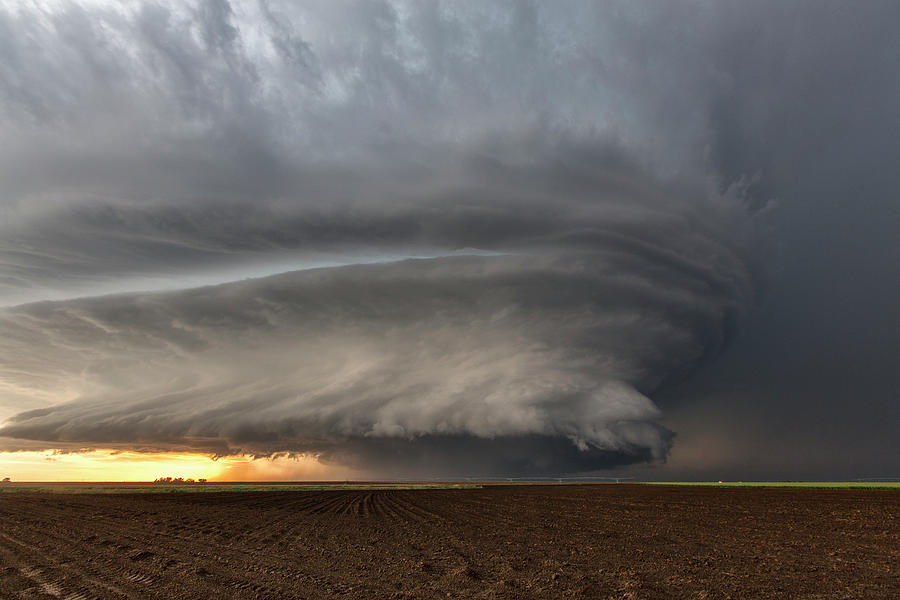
335	240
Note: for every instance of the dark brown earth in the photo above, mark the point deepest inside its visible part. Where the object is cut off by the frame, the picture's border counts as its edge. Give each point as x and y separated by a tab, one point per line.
548	541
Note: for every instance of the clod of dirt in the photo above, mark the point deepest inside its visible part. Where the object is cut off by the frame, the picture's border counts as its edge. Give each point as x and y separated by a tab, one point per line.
426	567
468	572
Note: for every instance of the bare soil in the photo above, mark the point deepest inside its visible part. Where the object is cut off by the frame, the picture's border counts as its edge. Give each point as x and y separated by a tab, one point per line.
543	541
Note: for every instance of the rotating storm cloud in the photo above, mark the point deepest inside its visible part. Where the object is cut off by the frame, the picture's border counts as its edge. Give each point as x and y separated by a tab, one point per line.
379	233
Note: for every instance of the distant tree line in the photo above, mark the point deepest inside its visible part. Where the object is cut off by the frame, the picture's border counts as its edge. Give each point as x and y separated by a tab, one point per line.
178	480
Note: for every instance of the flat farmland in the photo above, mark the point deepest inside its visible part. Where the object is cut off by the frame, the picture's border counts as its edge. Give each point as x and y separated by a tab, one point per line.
523	541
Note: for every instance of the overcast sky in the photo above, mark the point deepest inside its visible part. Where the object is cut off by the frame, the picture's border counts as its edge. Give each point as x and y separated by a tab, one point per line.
424	238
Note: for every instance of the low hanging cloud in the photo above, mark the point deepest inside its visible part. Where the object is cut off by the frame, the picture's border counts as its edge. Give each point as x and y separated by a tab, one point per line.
546	244
559	333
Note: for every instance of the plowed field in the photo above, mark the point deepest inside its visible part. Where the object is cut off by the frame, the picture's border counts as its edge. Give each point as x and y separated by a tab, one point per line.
547	541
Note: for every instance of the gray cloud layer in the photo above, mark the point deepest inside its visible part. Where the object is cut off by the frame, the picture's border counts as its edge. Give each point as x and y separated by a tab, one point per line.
602	167
624	289
148	141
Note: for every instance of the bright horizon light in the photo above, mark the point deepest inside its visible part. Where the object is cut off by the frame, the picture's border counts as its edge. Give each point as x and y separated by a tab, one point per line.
118	466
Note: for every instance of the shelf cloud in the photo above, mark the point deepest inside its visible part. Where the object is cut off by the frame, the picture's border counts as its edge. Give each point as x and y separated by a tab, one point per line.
560	332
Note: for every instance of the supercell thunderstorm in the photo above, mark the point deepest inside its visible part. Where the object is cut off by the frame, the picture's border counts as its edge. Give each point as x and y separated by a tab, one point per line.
542	255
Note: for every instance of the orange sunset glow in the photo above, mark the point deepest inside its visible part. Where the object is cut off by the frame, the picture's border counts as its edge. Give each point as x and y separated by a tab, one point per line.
111	465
